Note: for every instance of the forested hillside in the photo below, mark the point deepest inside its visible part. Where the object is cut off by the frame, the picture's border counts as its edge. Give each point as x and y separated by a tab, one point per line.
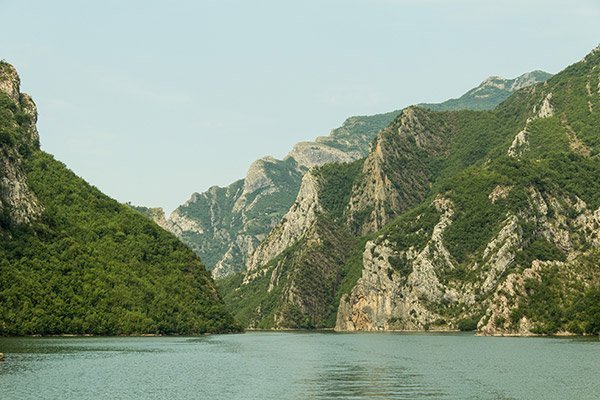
73	260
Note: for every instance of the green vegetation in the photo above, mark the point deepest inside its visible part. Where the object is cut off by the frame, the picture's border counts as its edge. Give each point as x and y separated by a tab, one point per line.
89	265
336	182
556	302
315	271
92	265
539	249
468	324
222	220
356	133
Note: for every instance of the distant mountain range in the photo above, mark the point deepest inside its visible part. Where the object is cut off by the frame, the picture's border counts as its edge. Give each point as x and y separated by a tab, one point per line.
224	226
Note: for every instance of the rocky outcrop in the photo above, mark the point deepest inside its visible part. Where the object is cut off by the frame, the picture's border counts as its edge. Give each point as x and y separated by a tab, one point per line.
294	224
390	298
239	221
10	82
157	214
311	154
418	295
18	204
520	143
498	316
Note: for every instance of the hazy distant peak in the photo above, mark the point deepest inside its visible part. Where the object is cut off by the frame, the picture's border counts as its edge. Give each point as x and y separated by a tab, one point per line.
491	92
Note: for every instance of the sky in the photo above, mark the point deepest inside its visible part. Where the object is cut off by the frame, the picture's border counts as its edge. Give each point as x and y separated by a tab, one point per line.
151	101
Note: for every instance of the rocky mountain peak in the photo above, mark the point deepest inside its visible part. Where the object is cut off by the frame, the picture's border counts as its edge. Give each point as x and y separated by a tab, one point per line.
9	81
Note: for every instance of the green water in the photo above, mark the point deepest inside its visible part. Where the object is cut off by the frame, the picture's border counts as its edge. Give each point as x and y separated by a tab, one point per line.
300	366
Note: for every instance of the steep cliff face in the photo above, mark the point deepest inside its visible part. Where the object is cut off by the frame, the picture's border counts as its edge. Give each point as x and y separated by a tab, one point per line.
512	247
424	287
294	224
73	260
18	136
224	225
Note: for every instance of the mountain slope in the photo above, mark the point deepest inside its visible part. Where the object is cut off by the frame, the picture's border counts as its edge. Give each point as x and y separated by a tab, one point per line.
463	219
72	260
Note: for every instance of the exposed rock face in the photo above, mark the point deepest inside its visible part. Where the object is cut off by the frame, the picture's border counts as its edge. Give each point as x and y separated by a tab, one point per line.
310	154
520	143
385	298
18	204
294	224
157	214
304	262
423	297
298	267
498	315
16	198
10	82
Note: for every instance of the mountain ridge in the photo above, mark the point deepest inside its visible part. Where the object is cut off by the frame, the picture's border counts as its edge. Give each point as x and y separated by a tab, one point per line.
240	226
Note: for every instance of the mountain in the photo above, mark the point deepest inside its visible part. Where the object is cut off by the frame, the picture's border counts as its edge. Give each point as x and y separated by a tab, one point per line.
224	226
73	260
486	220
491	92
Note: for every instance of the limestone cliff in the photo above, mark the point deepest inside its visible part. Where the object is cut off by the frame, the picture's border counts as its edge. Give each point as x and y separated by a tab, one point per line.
396	173
294	225
18	135
295	274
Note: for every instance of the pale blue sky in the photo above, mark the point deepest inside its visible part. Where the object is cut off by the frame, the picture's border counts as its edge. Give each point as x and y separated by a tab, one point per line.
153	100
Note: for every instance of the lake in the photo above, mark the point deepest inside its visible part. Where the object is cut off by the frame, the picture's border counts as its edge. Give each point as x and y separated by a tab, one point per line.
296	365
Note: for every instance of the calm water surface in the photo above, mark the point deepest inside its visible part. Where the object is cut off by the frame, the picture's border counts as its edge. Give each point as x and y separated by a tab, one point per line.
300	366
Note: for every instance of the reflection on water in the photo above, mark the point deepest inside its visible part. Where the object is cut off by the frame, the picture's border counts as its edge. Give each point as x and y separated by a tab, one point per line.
362	382
296	366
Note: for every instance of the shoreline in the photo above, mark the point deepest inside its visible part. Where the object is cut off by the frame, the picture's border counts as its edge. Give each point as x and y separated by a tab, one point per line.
323	330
